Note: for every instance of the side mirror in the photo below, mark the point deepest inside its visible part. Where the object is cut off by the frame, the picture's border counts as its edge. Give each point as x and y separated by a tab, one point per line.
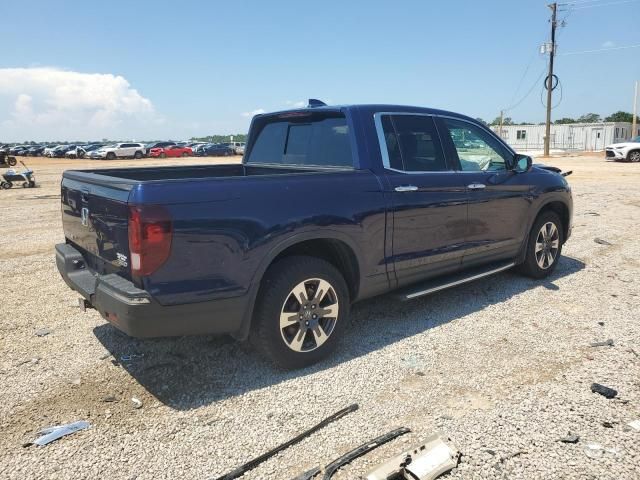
522	163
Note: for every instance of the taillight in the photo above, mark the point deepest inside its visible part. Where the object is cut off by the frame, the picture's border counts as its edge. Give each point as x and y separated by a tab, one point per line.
150	234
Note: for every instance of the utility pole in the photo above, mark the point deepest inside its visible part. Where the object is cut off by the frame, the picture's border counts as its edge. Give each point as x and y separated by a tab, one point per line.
634	131
549	82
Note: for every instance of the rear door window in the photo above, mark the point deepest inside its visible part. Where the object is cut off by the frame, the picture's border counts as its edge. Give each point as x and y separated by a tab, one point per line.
412	143
316	140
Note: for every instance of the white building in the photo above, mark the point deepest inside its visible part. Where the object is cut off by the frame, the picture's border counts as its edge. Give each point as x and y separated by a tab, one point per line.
570	136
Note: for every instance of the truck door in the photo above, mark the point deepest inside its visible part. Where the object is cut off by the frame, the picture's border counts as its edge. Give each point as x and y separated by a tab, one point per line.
428	198
498	198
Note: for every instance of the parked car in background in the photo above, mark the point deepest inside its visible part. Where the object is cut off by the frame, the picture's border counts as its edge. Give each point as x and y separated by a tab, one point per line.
629	151
119	150
48	151
171	151
60	151
149	146
199	149
237	147
35	151
218	150
81	151
396	206
18	149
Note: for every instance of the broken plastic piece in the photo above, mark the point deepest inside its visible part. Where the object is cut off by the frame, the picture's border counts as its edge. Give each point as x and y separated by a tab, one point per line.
241	470
570	438
635	425
606	343
54	433
424	462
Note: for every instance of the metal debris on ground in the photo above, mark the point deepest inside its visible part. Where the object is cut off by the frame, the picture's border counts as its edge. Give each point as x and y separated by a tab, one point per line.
570	438
604	391
427	461
109	398
601	241
606	343
348	457
635	425
241	470
137	403
50	434
43	332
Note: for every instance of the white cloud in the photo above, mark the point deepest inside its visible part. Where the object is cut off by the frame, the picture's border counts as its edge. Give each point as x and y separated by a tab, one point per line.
62	104
609	44
253	113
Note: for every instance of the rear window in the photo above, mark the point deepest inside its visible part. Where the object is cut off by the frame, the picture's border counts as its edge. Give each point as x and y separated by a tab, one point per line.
317	140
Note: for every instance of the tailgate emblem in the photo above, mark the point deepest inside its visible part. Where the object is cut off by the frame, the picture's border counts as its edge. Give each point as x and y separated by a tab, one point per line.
84	216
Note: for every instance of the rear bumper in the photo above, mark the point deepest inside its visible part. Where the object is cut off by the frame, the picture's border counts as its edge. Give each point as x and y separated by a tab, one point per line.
136	313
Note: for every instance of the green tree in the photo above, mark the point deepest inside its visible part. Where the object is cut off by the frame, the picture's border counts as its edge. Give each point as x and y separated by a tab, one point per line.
481	120
505	121
565	120
621	116
589	118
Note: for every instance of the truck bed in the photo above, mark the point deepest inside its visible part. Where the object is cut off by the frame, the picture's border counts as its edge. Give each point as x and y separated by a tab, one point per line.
151	174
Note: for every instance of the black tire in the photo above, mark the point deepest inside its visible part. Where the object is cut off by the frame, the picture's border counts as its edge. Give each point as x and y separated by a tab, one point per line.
185	154
12	161
111	156
163	155
531	265
276	297
5	185
138	155
25	184
32	183
634	156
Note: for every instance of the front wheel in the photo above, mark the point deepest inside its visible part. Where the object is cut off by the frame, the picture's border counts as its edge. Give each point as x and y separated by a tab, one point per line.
5	185
634	156
185	154
137	155
301	311
544	246
111	156
12	161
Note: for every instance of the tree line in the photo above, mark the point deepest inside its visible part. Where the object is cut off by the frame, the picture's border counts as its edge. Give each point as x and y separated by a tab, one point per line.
619	116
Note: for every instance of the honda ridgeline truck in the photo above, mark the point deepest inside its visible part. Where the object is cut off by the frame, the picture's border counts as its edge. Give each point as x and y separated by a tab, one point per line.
330	206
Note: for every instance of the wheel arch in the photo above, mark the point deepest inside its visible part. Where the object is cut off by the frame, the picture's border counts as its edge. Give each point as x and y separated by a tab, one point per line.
630	152
334	247
562	210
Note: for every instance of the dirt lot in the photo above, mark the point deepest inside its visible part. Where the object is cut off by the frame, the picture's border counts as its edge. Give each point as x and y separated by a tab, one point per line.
502	366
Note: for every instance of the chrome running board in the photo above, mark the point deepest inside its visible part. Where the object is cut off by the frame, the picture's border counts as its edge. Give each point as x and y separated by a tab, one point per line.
448	281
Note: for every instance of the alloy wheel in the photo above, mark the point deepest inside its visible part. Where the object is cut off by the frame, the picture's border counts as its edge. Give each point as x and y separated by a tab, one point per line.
309	314
547	245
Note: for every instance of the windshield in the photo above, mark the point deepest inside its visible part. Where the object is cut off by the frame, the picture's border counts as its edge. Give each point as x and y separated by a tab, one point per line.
315	139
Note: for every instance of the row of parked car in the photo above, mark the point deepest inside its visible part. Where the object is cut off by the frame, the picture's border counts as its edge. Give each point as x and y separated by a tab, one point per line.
127	150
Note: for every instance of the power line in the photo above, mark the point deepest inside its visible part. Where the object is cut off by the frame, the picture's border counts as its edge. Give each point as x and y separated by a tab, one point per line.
582	7
526	95
601	50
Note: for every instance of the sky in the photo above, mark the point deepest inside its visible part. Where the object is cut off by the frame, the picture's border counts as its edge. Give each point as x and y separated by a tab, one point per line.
154	69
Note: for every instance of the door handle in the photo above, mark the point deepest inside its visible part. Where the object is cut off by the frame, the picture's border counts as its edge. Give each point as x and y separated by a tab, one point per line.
406	188
476	186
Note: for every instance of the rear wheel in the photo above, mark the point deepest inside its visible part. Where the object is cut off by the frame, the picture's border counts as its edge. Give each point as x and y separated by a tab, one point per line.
5	185
634	156
544	246
12	161
301	312
138	155
163	155
111	156
185	154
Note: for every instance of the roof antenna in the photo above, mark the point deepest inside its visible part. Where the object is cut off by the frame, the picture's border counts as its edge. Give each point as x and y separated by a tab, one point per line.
313	102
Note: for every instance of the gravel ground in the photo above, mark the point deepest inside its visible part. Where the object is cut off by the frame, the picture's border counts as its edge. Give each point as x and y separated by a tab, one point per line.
503	366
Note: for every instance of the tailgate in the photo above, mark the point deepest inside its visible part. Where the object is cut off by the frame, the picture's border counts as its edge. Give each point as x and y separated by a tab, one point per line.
95	220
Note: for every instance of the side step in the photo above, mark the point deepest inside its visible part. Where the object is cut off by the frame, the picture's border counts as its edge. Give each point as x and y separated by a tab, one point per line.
448	281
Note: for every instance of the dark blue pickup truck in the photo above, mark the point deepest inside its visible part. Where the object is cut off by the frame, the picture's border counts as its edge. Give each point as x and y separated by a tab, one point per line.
330	206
